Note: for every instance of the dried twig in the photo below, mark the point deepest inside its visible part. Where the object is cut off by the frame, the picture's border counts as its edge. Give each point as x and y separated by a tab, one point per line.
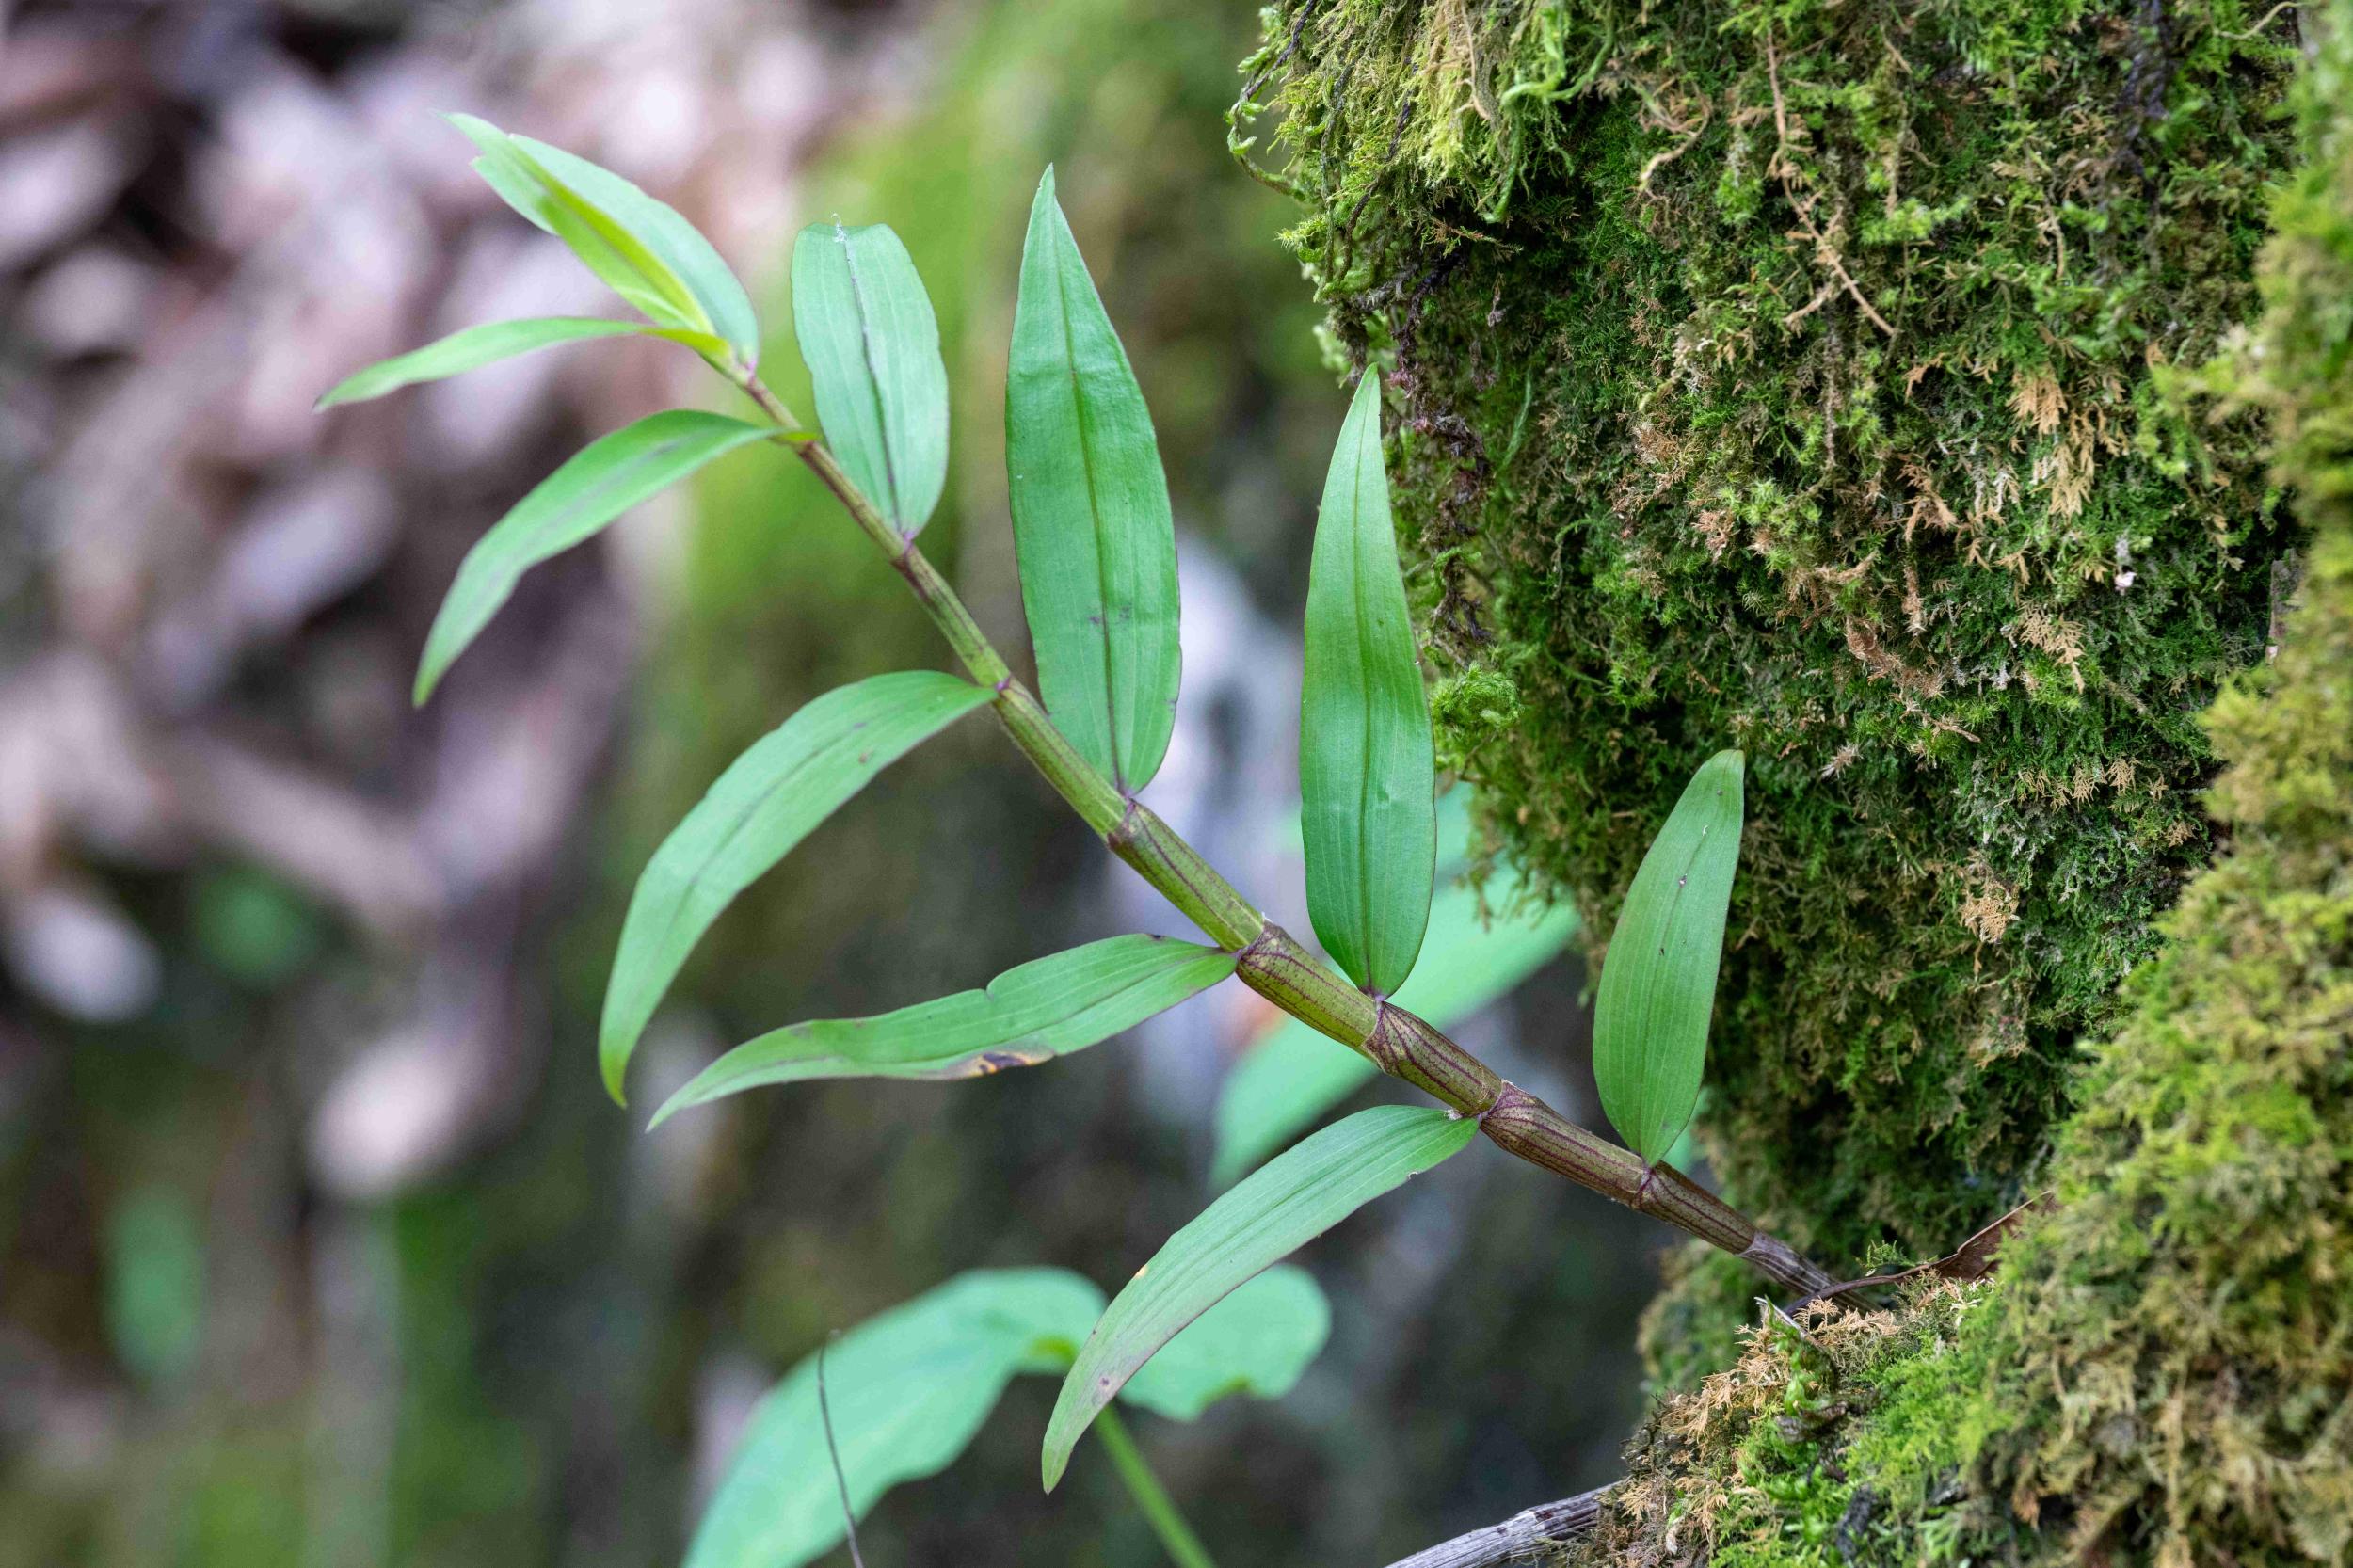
1972	1259
1517	1538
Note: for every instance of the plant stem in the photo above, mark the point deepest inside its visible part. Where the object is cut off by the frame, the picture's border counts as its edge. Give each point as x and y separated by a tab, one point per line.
1270	961
1152	1499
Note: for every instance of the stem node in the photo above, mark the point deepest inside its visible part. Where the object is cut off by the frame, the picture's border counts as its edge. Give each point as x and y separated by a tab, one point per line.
1278	968
1406	1047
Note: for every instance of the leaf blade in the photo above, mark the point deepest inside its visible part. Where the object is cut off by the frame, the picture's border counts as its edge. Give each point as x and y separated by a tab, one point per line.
1031	1014
1367	769
1092	525
769	799
618	258
1657	988
643	249
665	232
1295	1197
471	348
1257	1341
872	344
909	1387
596	484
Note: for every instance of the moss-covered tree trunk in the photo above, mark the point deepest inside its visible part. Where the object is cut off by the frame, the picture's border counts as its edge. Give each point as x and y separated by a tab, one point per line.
1888	389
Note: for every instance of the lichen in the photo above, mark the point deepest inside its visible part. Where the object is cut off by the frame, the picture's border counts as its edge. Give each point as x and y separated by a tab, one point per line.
1810	378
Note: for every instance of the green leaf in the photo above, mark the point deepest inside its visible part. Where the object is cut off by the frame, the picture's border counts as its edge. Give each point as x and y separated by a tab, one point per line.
1256	1341
1028	1015
1290	1079
476	347
1658	978
598	484
643	249
1366	775
769	799
1295	1197
872	342
908	1390
1090	514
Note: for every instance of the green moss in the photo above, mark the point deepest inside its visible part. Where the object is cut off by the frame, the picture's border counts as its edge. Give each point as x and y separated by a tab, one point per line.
2177	1360
2161	1371
1803	377
1841	1438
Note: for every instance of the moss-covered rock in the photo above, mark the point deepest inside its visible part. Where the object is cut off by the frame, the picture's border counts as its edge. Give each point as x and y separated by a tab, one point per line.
1808	376
2162	1369
2175	1355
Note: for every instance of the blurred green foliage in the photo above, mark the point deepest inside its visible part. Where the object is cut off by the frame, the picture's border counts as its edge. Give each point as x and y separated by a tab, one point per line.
512	1362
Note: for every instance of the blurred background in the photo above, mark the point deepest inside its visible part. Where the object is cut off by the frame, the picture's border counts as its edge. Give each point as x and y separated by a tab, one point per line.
319	1241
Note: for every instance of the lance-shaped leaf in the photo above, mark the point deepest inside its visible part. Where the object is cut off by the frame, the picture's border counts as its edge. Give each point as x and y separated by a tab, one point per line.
643	249
1293	1199
1030	1014
1366	775
1090	513
596	484
1256	1341
872	342
769	800
1291	1077
1658	979
908	1390
476	346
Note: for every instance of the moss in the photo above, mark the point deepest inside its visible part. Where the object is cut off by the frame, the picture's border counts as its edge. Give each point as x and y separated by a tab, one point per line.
2161	1370
1806	376
2177	1360
1840	1438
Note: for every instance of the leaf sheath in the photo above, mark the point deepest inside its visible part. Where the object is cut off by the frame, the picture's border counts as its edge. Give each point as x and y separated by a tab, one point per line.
1293	1077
